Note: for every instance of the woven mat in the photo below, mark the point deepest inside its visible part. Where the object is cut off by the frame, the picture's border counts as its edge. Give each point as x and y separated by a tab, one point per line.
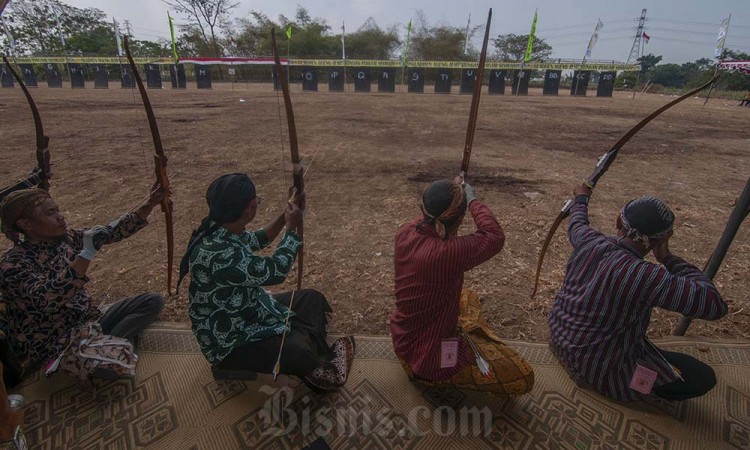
175	404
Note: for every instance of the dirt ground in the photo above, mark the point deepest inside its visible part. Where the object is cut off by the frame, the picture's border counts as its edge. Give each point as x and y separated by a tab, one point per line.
376	153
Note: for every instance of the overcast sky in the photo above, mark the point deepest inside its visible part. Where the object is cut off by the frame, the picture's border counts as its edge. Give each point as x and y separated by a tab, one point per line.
680	30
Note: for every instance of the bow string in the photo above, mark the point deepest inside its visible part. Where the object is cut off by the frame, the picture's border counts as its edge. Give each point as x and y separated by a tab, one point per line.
602	165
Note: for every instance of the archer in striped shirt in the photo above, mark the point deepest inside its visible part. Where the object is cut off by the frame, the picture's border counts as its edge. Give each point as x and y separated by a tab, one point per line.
599	320
433	312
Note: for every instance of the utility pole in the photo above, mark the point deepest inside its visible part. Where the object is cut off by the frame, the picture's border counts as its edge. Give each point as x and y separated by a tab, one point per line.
636	51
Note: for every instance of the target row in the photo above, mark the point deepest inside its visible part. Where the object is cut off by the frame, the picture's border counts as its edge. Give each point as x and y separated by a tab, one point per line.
310	78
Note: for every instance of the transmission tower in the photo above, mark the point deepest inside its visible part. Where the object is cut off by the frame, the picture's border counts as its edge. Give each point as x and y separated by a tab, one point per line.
635	51
129	30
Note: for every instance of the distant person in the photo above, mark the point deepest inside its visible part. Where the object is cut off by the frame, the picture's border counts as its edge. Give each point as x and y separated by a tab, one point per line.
599	319
46	310
238	324
745	101
437	327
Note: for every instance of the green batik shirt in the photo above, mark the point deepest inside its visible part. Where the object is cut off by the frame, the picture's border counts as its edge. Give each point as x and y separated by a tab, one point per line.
228	305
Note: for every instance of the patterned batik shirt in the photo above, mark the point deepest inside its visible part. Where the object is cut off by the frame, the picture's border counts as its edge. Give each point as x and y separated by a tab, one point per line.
599	320
45	299
228	306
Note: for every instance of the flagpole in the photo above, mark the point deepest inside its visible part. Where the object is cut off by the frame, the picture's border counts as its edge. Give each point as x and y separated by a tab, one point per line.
638	77
466	40
405	62
343	50
527	55
718	60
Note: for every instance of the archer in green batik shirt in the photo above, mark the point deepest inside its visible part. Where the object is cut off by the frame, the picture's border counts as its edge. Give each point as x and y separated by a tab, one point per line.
238	325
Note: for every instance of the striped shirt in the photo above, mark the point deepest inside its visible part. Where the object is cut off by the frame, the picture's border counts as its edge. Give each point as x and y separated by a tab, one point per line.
429	278
599	320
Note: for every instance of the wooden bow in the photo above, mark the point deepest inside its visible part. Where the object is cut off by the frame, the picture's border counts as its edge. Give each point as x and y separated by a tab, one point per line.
474	111
601	168
160	165
298	175
41	175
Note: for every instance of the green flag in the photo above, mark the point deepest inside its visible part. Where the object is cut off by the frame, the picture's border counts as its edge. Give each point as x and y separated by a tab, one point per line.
530	45
406	49
289	32
174	45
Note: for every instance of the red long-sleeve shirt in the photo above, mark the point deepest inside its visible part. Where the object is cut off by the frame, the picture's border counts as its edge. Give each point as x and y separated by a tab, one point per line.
429	278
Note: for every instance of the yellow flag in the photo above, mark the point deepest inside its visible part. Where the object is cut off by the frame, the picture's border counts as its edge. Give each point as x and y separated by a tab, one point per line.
289	32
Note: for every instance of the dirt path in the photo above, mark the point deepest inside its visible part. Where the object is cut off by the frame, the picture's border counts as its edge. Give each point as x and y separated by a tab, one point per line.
377	153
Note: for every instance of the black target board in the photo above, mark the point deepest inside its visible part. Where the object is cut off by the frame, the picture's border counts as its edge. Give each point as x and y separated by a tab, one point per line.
416	80
177	76
443	81
101	76
362	81
606	84
552	82
126	77
580	82
28	74
77	76
468	78
6	78
387	80
203	76
52	75
309	77
336	80
497	82
153	76
520	82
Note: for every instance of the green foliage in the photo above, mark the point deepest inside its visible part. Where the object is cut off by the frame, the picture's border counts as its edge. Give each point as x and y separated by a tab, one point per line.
439	42
669	75
372	42
626	80
38	24
310	38
512	47
648	62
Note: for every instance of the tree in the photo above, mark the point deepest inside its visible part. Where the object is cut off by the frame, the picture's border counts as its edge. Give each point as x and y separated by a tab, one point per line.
648	62
512	47
310	37
372	42
440	42
38	25
206	16
671	75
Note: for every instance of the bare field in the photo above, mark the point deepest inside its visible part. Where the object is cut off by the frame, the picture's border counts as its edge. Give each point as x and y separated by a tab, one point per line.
376	153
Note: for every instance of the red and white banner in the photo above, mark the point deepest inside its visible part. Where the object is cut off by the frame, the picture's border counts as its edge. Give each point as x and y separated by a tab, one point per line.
232	61
735	66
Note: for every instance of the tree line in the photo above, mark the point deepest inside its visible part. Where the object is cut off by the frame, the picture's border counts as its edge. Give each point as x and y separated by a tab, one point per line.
207	29
51	27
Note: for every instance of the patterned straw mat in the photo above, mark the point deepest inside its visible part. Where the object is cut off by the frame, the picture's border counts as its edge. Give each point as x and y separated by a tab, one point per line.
176	404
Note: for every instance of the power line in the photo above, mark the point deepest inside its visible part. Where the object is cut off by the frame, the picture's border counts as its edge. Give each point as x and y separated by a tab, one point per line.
688	22
705	33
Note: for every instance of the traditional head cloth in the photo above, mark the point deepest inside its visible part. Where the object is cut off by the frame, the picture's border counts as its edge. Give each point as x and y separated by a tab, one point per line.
227	198
646	218
19	204
443	202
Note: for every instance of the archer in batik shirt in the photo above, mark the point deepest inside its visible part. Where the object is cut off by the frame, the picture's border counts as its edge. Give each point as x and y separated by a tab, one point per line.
43	278
239	326
599	320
